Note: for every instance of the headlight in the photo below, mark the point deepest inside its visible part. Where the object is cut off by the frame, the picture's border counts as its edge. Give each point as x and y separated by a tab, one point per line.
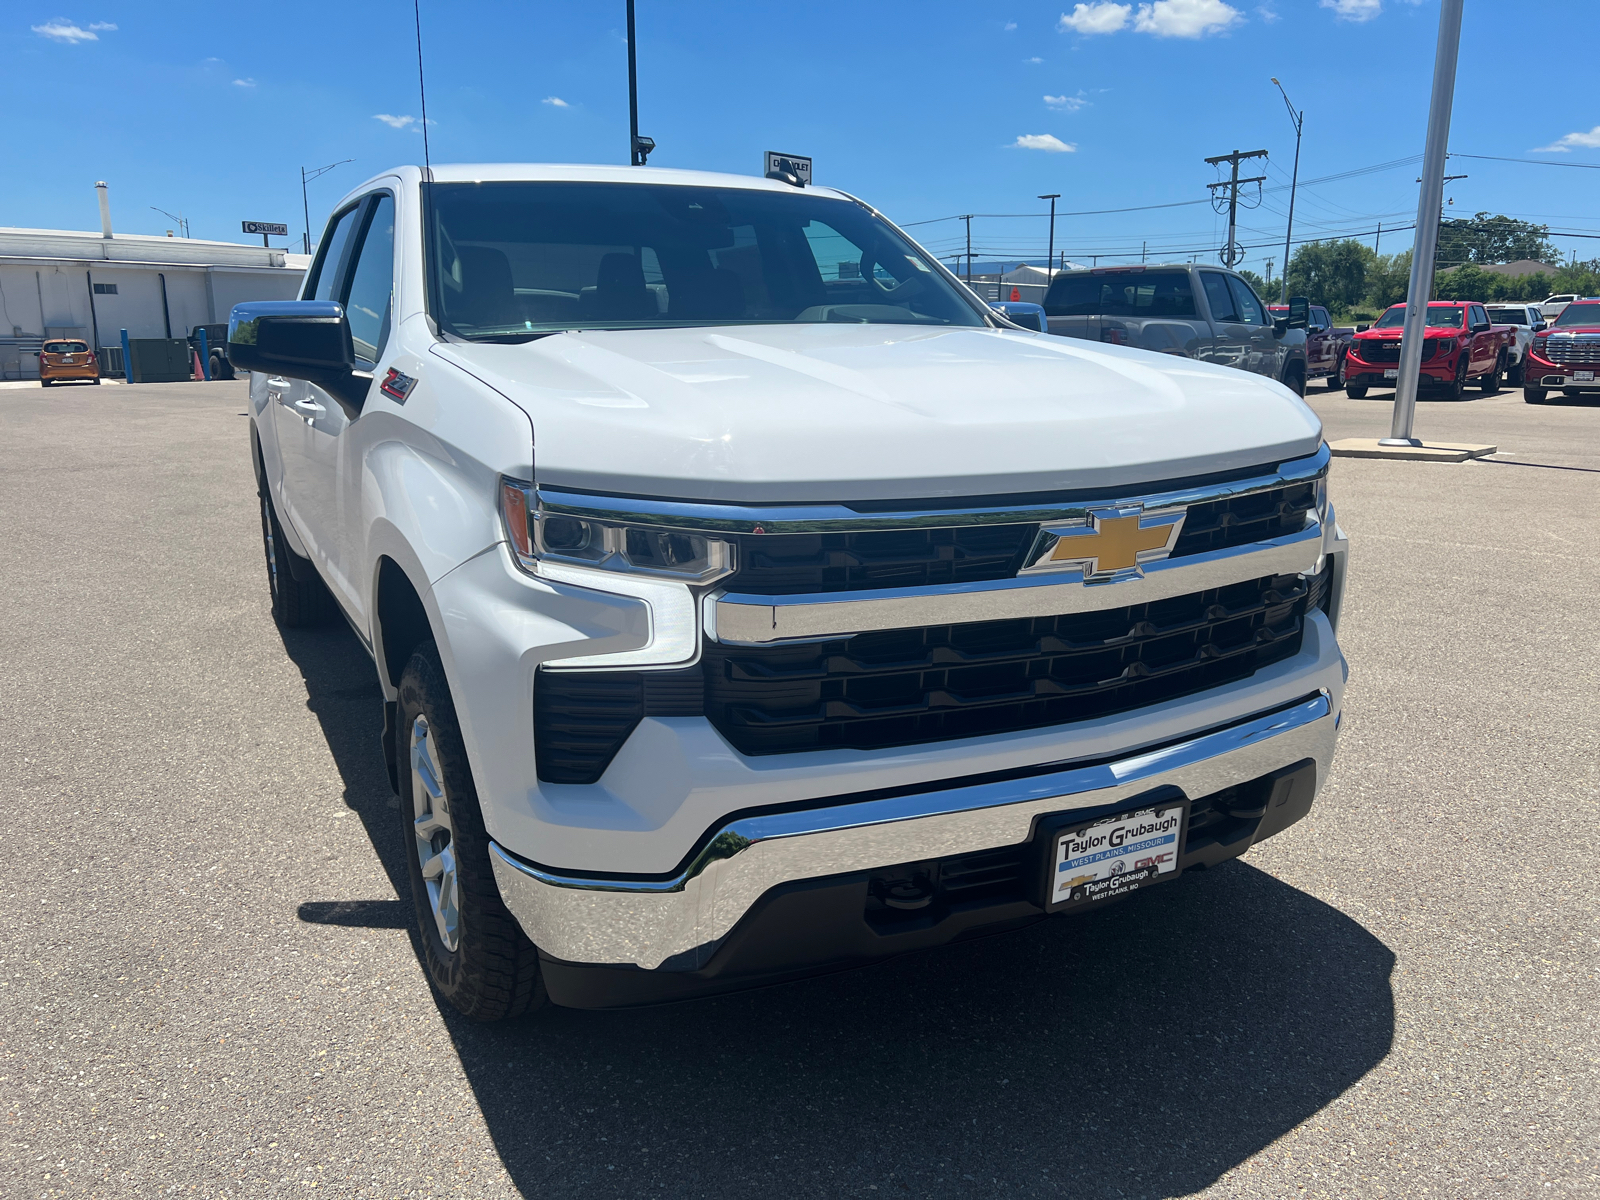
538	536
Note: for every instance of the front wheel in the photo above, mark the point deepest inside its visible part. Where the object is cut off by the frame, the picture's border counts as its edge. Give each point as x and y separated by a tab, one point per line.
1295	380
1458	385
1356	391
1336	380
474	951
1534	395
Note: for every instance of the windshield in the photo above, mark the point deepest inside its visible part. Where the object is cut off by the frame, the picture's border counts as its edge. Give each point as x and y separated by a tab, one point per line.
1509	316
1132	294
515	260
1579	314
1442	316
66	348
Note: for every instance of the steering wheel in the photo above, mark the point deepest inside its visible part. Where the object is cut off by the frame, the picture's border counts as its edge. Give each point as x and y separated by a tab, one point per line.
900	293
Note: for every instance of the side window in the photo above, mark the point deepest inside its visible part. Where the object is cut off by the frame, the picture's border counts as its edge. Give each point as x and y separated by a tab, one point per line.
1476	315
370	296
1249	308
1217	296
1320	318
324	277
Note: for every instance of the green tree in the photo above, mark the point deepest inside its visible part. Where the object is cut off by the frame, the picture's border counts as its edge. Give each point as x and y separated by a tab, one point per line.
1482	238
1388	279
1331	273
1260	286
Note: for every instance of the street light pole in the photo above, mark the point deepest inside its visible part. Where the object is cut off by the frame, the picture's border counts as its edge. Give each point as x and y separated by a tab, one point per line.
1050	257
1434	153
639	148
1299	120
305	204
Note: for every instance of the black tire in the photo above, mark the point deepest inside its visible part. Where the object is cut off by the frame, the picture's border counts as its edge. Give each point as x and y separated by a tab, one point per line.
492	972
1336	380
1356	391
1294	378
221	368
297	603
1534	395
44	383
1458	385
1572	393
1490	383
1514	375
97	381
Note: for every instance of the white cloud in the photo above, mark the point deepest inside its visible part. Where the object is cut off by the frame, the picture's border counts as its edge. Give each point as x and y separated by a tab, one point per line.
1102	16
1010	25
244	83
394	122
1354	10
1043	141
103	26
1069	104
1035	60
556	101
1564	145
62	30
1186	18
1268	14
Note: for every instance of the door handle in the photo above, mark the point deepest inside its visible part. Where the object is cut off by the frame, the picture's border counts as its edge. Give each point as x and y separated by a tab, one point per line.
275	387
309	407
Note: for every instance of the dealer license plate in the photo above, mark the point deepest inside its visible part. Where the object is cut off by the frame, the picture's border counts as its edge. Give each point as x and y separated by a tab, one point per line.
1583	377
1117	855
1392	373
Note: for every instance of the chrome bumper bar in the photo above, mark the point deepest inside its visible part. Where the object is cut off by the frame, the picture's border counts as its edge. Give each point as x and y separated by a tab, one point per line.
743	620
678	922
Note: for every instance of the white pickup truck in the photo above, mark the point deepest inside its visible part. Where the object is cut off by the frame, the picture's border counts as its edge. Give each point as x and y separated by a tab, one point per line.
751	600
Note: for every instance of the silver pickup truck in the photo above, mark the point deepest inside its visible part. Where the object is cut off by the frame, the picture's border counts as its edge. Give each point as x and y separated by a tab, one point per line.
1197	312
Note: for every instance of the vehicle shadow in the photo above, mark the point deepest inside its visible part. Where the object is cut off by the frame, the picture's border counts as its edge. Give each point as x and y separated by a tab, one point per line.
1139	1052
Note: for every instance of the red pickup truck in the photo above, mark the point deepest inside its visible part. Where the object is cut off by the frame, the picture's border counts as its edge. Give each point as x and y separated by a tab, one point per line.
1326	344
1565	356
1461	346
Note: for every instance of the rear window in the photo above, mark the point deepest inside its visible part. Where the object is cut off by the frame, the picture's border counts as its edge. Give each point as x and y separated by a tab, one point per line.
1142	294
66	348
1509	316
1581	313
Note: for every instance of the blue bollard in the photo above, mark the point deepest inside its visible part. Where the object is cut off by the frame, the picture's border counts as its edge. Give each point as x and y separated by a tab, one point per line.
127	359
205	356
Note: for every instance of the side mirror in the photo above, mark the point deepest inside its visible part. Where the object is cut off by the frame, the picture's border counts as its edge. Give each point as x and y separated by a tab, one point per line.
1299	312
1362	328
1539	325
299	339
1479	326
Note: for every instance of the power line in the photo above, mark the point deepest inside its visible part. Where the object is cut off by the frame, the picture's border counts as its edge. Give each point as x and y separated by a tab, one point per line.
1537	162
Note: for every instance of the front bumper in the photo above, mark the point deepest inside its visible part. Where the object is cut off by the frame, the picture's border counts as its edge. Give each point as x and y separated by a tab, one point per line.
1540	373
677	923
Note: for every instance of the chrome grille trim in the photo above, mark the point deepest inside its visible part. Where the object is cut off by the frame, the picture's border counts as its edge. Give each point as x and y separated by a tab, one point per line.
827	518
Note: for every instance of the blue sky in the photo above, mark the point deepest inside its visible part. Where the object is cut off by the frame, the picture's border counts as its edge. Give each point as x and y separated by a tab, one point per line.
926	109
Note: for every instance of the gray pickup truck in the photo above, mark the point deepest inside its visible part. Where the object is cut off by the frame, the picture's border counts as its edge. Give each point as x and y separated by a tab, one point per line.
1198	312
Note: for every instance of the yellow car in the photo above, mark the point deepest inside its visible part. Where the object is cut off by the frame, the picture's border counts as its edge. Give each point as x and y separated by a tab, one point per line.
60	361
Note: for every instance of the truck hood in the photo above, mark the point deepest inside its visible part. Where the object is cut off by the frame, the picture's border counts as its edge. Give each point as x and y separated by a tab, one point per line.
832	413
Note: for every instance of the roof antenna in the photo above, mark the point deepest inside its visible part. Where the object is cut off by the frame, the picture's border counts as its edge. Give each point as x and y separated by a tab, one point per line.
422	91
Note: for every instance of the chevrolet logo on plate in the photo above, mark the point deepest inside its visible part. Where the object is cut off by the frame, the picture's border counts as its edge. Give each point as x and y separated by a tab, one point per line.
1112	542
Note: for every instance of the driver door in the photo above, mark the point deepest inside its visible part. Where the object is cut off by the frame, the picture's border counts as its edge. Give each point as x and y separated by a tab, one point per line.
306	420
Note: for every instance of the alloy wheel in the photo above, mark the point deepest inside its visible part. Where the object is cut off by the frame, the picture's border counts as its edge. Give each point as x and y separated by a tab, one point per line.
436	853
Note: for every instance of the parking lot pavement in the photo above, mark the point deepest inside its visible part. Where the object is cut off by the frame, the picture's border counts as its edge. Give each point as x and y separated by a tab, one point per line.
209	986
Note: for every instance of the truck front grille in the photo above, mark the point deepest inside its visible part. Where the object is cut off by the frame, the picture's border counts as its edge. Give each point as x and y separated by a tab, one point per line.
1583	349
800	563
904	687
1375	351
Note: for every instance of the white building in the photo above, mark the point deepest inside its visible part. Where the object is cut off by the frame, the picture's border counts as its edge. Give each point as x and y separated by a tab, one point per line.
59	283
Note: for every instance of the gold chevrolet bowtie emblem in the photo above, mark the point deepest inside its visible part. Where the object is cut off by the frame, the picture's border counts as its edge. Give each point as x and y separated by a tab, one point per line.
1117	540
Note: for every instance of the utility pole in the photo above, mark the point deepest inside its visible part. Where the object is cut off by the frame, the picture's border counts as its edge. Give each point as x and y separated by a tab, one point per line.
1299	120
1427	241
305	205
1232	253
639	148
968	220
1050	257
1269	272
1377	238
1144	248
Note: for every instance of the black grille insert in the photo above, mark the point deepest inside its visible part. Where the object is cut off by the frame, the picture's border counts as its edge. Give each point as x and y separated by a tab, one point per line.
798	563
904	687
